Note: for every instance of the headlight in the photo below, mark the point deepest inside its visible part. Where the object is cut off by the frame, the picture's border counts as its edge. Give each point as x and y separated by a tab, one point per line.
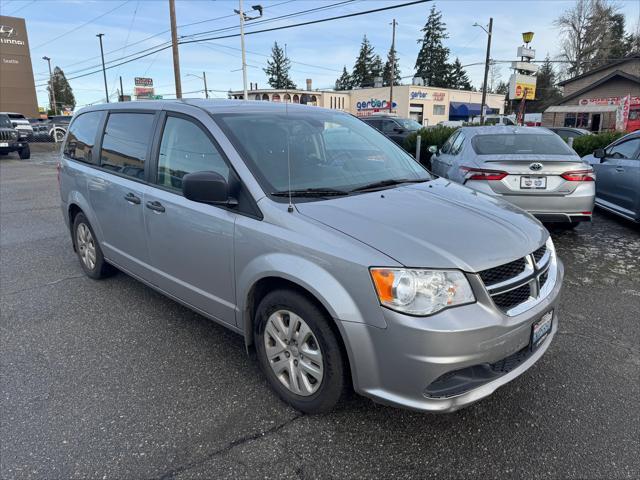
421	292
550	246
14	135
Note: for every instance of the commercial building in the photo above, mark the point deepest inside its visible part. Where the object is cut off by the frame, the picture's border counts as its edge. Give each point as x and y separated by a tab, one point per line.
596	99
426	105
17	88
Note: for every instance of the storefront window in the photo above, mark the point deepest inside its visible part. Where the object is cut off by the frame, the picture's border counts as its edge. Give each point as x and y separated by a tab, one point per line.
576	120
570	120
438	109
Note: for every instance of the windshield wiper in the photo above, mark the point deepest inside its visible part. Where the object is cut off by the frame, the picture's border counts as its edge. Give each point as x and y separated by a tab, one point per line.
388	183
310	192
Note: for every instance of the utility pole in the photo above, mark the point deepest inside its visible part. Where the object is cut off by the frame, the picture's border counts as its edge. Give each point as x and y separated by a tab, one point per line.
486	71
52	93
393	64
104	72
206	91
244	18
121	99
174	47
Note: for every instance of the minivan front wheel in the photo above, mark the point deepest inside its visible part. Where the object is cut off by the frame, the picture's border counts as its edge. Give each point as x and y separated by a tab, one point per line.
88	249
299	352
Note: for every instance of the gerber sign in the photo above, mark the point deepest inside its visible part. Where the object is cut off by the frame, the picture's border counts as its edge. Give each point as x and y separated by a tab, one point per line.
374	104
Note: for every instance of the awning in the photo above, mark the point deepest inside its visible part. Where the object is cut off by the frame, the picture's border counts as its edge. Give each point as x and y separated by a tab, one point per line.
581	109
463	109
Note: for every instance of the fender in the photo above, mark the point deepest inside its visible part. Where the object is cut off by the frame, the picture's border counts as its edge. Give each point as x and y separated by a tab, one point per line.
75	197
308	275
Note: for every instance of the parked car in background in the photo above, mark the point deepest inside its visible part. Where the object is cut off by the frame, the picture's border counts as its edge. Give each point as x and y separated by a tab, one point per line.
530	167
397	129
569	132
52	129
617	170
21	124
10	139
336	255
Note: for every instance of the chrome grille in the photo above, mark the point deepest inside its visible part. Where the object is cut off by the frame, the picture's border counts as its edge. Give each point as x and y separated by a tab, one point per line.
512	286
5	135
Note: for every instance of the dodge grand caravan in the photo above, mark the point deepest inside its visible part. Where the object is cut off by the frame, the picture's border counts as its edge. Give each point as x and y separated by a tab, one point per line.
341	261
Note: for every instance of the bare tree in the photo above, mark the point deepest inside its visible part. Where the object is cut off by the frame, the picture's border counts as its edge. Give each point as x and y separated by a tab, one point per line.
494	76
574	28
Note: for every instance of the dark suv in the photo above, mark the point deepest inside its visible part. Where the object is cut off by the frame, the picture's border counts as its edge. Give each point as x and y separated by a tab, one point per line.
397	129
10	139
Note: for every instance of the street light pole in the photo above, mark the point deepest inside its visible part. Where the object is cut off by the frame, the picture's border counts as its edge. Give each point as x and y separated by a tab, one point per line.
174	47
206	91
393	64
104	72
244	18
52	93
486	70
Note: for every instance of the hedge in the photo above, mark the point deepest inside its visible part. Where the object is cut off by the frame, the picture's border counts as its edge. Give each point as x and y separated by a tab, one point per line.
430	136
586	144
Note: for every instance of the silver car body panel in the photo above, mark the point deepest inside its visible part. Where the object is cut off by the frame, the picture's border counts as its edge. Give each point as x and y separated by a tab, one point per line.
210	259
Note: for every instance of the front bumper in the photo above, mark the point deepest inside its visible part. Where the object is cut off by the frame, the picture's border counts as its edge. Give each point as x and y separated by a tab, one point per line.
397	364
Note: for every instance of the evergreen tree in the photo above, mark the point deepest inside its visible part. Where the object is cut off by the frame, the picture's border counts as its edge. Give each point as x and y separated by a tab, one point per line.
62	89
457	77
362	74
387	75
431	63
344	81
377	69
502	88
547	93
278	69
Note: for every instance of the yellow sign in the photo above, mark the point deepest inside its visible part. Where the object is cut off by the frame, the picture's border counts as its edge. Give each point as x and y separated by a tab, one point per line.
521	85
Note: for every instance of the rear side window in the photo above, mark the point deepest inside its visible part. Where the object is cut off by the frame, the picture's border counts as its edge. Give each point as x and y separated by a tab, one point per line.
186	148
125	142
82	136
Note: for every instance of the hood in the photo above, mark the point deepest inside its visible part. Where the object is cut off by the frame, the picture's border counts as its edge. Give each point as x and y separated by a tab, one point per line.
438	224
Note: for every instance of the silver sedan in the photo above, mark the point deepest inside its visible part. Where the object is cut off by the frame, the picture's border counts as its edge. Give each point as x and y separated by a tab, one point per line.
530	167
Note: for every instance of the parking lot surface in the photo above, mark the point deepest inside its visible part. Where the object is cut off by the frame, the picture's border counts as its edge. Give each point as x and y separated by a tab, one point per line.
109	379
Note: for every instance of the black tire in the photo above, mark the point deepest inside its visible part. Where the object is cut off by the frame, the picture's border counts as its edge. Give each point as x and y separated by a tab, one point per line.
101	269
25	153
334	380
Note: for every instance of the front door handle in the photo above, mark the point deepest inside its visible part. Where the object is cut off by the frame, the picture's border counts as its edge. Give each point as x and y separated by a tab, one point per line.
155	206
131	198
619	169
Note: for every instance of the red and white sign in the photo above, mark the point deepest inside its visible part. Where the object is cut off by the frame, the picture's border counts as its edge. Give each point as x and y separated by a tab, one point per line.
438	96
608	100
622	115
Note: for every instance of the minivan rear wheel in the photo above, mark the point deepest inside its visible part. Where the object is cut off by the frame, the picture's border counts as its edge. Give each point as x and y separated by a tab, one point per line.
298	352
88	249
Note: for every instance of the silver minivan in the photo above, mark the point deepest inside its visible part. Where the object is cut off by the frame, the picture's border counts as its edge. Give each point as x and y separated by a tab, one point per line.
342	261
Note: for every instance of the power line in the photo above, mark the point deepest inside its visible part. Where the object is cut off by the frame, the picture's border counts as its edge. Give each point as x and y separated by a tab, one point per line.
80	26
153	36
20	8
284	27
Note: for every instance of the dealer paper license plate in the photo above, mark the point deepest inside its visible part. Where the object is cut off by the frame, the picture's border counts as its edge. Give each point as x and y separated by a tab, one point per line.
541	329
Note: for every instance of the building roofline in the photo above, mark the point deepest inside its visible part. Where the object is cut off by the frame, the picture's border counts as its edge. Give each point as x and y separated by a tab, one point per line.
616	73
633	56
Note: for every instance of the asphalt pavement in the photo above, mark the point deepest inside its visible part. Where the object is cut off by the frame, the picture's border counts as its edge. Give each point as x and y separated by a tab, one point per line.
109	379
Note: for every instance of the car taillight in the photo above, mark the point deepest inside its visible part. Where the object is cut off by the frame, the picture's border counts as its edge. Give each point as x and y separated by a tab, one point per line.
579	176
482	174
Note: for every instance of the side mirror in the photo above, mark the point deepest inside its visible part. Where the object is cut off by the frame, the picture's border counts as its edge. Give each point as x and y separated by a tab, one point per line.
599	153
433	149
207	187
398	129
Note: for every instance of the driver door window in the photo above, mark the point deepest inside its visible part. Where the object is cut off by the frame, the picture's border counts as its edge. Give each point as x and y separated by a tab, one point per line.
186	148
626	149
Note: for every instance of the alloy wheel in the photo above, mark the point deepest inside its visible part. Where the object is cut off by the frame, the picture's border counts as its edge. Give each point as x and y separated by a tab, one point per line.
293	352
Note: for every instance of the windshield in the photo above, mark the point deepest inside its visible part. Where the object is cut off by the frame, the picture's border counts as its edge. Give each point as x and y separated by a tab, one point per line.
408	124
5	122
523	144
325	150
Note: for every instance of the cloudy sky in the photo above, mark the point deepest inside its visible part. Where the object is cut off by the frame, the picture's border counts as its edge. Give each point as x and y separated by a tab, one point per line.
65	31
